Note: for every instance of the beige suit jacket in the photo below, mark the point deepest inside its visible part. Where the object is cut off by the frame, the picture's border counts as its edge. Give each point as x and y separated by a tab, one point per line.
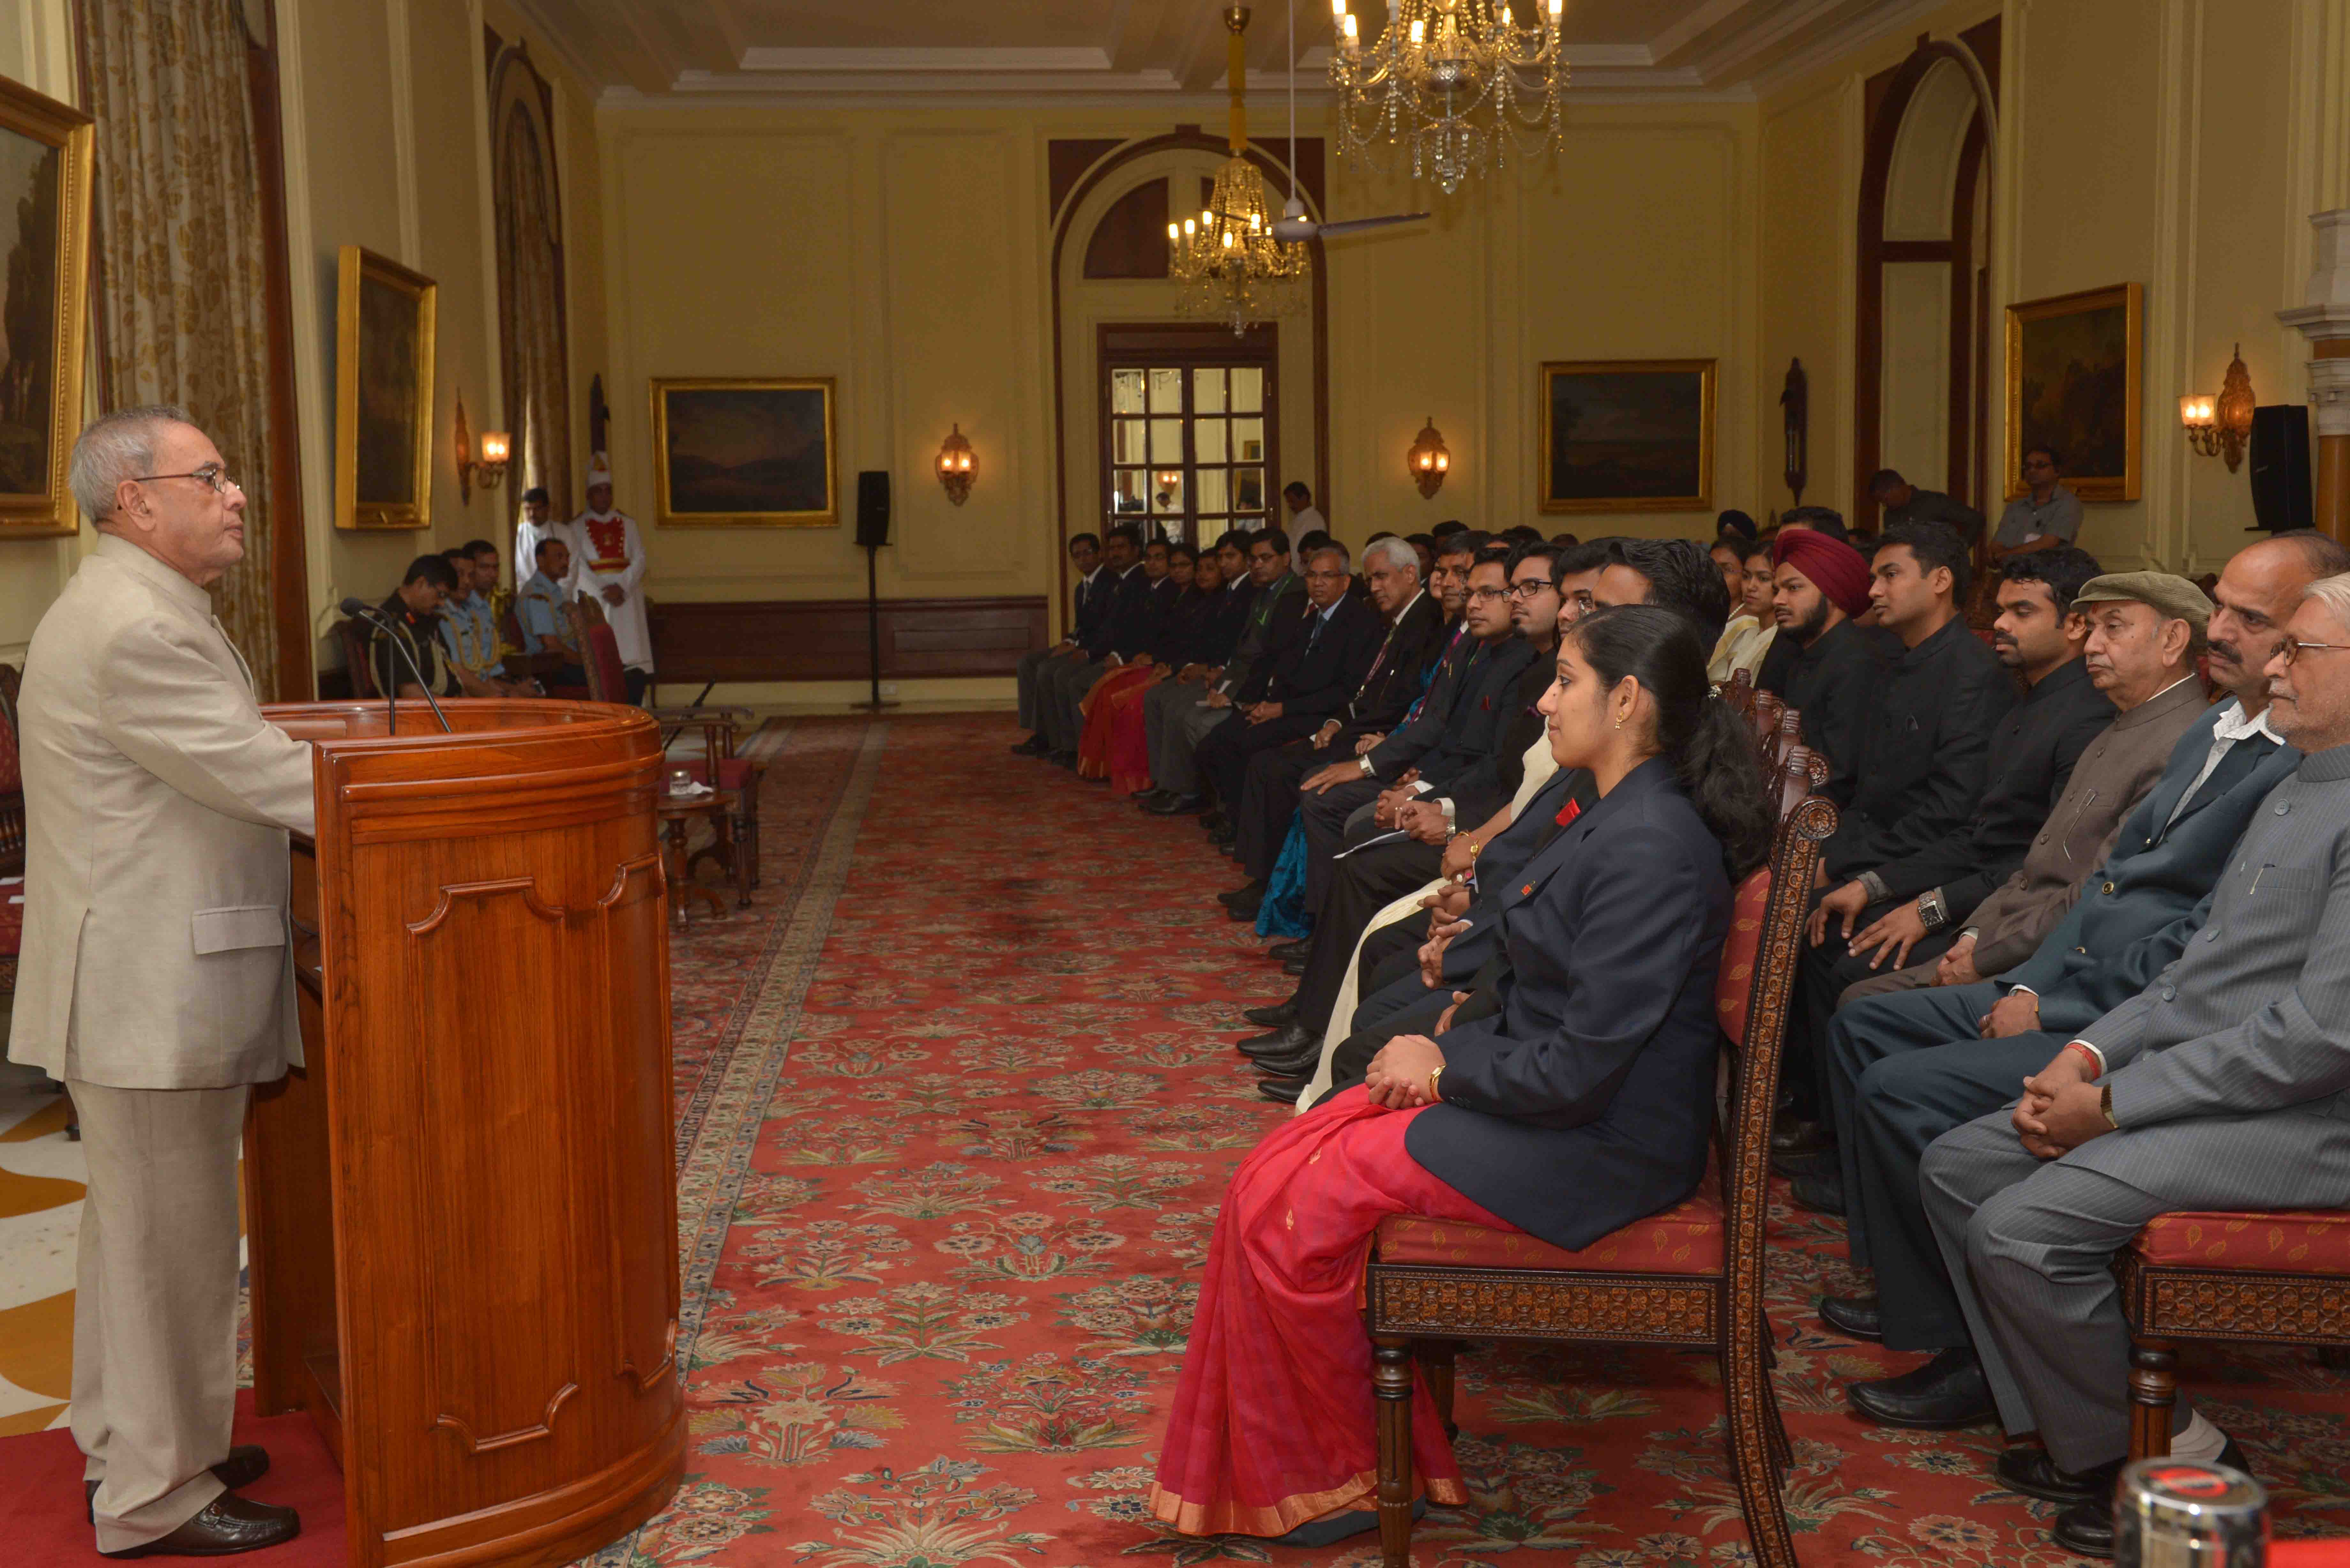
156	803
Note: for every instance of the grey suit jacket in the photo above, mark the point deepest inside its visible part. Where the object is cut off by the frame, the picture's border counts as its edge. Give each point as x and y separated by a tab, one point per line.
156	803
2113	775
2255	1015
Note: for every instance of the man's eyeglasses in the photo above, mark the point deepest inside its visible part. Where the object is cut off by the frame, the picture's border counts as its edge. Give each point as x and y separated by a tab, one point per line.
2293	648
1327	577
215	477
1530	587
1486	596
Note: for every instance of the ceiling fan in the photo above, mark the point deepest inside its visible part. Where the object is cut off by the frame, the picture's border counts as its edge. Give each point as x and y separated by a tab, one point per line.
1294	226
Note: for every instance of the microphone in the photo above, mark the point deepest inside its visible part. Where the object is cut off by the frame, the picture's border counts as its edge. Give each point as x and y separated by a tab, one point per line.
360	609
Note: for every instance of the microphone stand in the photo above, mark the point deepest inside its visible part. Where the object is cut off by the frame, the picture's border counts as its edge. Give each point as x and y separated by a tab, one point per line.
400	646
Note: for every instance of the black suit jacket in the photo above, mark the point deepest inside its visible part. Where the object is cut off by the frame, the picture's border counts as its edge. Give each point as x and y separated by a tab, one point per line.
1586	1101
1469	763
1310	676
1092	604
1399	668
1129	621
1491	783
1833	683
1407	743
1210	636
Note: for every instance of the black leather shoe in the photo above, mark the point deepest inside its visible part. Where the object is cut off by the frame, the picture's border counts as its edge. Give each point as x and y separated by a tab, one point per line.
1946	1393
1224	838
1854	1317
1283	1091
1300	1066
1035	745
1295	966
1280	1015
1145	792
246	1463
1281	952
1792	1135
1248	894
1067	759
1819	1194
1212	820
1792	1166
2085	1528
2028	1468
229	1525
1166	805
1246	912
1279	1044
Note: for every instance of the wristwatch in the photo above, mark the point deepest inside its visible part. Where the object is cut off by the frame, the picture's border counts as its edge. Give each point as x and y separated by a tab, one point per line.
1365	763
1433	1073
1931	912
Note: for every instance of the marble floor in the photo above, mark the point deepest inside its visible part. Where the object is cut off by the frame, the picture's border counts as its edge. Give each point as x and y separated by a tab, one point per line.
41	1176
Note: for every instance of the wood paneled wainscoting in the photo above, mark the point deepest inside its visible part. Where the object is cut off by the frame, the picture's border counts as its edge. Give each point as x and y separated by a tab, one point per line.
825	639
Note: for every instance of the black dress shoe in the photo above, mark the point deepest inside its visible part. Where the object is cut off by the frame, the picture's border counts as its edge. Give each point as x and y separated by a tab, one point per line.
1300	1066
1819	1194
229	1525
1211	821
1035	745
246	1463
1145	792
1067	759
1792	1166
1280	1015
1293	966
2027	1468
2087	1526
1283	951
1246	912
1279	1044
1283	1091
1792	1135
1946	1393
1165	805
1854	1317
1233	896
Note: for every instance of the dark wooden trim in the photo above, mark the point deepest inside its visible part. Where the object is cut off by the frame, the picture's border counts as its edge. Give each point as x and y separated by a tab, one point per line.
1962	477
1068	158
1182	137
1188	344
825	639
289	554
517	54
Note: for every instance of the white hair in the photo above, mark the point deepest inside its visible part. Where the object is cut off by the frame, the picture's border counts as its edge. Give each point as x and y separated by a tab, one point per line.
2334	593
1397	552
116	447
1345	563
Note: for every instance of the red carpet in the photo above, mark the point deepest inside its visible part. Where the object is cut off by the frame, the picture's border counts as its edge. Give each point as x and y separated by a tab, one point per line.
41	1517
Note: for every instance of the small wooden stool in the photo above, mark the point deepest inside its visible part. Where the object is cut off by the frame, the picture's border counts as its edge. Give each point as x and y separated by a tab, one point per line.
716	807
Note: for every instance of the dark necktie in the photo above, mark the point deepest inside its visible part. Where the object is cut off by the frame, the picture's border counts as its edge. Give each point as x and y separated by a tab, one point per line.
1320	620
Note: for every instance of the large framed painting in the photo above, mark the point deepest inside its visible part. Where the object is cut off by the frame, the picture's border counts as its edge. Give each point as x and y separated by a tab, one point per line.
744	453
383	393
45	166
2074	372
1628	435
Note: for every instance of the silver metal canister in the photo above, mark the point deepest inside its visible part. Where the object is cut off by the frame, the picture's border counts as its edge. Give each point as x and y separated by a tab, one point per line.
2184	1514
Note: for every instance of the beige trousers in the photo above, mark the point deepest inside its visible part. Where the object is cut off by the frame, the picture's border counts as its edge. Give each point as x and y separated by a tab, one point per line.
154	1373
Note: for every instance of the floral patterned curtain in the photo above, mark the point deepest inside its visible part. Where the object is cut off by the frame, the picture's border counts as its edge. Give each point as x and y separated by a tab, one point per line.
530	309
182	312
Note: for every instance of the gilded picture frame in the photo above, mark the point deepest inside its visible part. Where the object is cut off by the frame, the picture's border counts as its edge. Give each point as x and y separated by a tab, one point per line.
1626	435
383	393
2076	381
45	148
746	453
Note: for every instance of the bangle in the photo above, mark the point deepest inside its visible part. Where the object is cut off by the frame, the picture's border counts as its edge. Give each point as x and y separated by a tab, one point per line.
1475	849
1438	1072
2096	1068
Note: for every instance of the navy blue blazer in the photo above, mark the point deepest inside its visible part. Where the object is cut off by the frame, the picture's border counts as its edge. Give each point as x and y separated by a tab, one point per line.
1132	620
1587	1101
1313	676
1092	604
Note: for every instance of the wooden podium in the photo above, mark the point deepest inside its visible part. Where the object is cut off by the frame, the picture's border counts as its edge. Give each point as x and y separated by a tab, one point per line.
461	1213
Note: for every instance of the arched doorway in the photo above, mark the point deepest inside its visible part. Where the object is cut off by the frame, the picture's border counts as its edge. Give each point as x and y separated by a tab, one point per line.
1921	381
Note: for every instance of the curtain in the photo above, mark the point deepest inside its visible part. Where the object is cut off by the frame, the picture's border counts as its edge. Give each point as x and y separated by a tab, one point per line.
182	310
530	310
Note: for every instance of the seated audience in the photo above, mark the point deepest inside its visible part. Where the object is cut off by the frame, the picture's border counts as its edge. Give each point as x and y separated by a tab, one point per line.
1094	583
1900	503
1181	568
1176	717
2045	515
1425	543
1576	1100
1129	623
469	625
413	611
1910	892
547	633
1746	641
1821	662
1202	642
2222	1085
1729	554
1911	1067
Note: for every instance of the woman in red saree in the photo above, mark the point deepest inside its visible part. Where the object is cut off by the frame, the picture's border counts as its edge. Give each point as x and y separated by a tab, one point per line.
1148	669
1573	1100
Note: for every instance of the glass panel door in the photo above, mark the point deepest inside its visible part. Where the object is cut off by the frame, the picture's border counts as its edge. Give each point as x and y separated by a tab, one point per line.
1189	445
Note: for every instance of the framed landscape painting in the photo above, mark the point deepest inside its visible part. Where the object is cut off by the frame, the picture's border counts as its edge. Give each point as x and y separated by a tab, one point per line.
1628	435
2074	372
45	168
383	393
744	453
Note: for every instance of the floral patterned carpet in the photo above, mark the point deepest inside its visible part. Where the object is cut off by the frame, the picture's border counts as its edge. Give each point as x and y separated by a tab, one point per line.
957	1101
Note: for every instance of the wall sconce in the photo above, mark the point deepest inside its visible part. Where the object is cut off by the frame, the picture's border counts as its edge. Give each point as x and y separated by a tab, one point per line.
2221	426
487	470
1429	459
956	468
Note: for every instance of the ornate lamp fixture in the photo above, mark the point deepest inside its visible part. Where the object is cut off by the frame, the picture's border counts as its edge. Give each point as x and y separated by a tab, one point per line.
2223	425
488	467
956	468
1226	258
1459	81
1429	460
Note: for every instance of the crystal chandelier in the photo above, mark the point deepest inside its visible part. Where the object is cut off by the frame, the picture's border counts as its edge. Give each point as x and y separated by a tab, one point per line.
1458	79
1226	258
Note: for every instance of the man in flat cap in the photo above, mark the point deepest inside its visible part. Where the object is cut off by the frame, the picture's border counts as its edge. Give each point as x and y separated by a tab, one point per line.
1908	1068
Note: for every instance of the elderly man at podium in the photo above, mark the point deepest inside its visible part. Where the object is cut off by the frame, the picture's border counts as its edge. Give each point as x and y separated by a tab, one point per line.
156	976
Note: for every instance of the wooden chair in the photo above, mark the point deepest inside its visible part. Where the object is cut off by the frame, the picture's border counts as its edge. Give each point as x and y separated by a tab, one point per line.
353	639
1692	1276
1739	692
721	767
2275	1278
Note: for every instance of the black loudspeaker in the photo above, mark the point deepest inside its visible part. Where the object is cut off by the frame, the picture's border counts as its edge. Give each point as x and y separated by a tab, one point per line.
2280	454
873	508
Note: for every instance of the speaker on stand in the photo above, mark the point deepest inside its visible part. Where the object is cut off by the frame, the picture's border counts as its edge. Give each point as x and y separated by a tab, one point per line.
872	533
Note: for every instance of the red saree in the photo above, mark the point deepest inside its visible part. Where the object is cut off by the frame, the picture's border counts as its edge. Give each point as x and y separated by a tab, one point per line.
1115	701
1273	1421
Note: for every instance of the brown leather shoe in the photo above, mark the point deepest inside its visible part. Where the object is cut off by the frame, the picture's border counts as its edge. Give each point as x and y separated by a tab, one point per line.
229	1525
246	1463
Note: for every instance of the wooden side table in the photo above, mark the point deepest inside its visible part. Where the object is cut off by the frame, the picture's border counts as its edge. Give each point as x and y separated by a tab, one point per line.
677	812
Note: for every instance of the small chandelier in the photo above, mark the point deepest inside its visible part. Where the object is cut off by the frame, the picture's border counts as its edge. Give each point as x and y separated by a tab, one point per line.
1226	258
1458	79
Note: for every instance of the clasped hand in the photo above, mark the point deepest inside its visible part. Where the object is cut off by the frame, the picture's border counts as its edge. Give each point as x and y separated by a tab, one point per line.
1848	902
2062	1108
1958	965
1397	1076
1893	933
1432	951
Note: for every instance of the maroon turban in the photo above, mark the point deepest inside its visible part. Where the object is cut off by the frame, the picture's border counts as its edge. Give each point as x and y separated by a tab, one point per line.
1834	567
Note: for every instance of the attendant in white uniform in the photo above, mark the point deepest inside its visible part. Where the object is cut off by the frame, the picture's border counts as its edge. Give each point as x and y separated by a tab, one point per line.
536	525
1304	517
607	560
